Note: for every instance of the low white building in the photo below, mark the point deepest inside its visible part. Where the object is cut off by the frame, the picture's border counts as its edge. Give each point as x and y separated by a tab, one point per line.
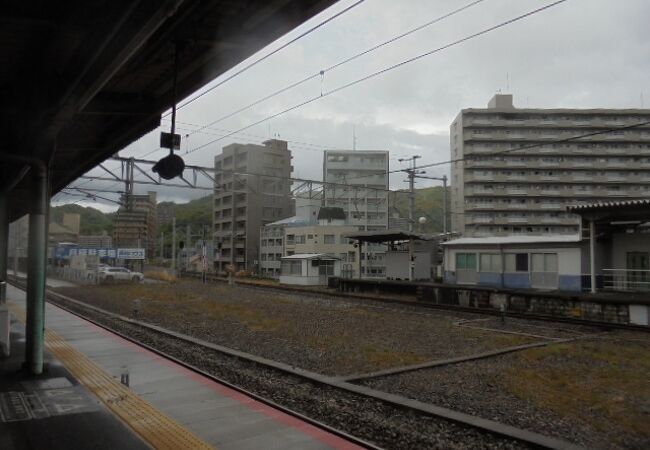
515	262
309	269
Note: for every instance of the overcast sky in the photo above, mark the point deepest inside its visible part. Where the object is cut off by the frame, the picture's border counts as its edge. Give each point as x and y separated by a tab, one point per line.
579	54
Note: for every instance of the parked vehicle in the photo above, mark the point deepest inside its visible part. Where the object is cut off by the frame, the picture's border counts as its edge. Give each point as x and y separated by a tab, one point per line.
112	274
92	270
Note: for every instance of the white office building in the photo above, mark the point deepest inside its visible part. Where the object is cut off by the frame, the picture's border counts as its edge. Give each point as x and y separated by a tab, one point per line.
359	186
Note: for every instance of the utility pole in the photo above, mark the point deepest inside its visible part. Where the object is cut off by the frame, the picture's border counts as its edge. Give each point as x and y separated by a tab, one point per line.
445	220
174	245
233	222
411	179
188	237
162	245
203	255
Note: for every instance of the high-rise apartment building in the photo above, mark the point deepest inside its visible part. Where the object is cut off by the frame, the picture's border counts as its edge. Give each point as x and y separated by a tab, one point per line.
520	168
251	190
361	189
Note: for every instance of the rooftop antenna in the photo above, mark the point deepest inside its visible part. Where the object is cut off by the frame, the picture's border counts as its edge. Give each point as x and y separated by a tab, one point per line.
507	82
354	137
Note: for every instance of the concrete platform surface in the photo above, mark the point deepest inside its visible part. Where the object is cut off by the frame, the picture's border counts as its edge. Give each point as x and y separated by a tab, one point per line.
203	409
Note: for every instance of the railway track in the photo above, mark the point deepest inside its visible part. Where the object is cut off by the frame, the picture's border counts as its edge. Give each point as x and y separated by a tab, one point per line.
359	414
427	306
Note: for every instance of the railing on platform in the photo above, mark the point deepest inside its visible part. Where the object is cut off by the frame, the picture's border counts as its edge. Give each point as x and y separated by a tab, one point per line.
626	279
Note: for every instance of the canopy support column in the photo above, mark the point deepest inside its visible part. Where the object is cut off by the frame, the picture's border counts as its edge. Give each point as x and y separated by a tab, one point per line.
36	270
4	244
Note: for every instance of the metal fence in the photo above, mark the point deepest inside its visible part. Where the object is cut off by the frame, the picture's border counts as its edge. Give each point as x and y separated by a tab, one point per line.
78	276
626	279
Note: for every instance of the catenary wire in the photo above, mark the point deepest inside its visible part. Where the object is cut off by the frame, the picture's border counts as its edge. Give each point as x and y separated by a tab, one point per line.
385	70
340	63
263	58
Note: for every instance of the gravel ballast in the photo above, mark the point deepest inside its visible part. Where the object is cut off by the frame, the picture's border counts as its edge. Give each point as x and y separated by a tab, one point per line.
324	335
372	420
549	394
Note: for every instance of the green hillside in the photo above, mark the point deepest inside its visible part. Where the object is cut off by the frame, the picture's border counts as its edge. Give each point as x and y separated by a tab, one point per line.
428	203
198	213
93	221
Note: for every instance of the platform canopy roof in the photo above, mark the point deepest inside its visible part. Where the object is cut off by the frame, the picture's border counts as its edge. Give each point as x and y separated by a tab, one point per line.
82	79
515	239
309	256
388	236
614	212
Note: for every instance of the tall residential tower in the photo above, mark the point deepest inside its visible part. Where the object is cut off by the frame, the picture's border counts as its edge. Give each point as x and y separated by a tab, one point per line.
520	168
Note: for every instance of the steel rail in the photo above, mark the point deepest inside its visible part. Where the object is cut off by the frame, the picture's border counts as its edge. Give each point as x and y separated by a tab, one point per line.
439	306
214	378
498	429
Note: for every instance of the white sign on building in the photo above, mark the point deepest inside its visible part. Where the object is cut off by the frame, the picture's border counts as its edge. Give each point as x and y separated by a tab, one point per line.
130	253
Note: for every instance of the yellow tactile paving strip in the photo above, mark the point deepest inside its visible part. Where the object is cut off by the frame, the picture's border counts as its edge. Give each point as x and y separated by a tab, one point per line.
156	428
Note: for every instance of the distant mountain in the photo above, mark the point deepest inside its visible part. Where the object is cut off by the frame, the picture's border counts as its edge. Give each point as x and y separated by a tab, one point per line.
93	221
197	213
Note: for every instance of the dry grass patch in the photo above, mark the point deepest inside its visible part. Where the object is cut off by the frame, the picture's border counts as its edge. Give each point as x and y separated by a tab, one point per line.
161	275
496	339
605	383
385	359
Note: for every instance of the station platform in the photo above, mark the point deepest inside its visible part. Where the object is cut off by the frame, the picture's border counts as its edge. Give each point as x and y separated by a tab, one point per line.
103	392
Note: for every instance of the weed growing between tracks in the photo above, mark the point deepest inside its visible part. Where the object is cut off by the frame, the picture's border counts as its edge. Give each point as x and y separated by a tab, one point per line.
333	337
605	383
594	392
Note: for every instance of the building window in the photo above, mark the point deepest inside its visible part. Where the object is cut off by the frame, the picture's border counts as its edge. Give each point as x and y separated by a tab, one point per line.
516	262
466	261
291	267
329	239
300	239
490	262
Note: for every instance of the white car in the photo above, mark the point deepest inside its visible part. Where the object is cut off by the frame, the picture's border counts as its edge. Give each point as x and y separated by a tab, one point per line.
112	274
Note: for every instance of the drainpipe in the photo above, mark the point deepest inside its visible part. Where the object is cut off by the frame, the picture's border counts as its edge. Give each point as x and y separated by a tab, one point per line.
592	254
36	270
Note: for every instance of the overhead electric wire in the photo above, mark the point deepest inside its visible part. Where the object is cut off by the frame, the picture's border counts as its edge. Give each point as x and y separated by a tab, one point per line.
258	139
323	71
385	70
522	147
342	62
541	144
263	58
424	166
